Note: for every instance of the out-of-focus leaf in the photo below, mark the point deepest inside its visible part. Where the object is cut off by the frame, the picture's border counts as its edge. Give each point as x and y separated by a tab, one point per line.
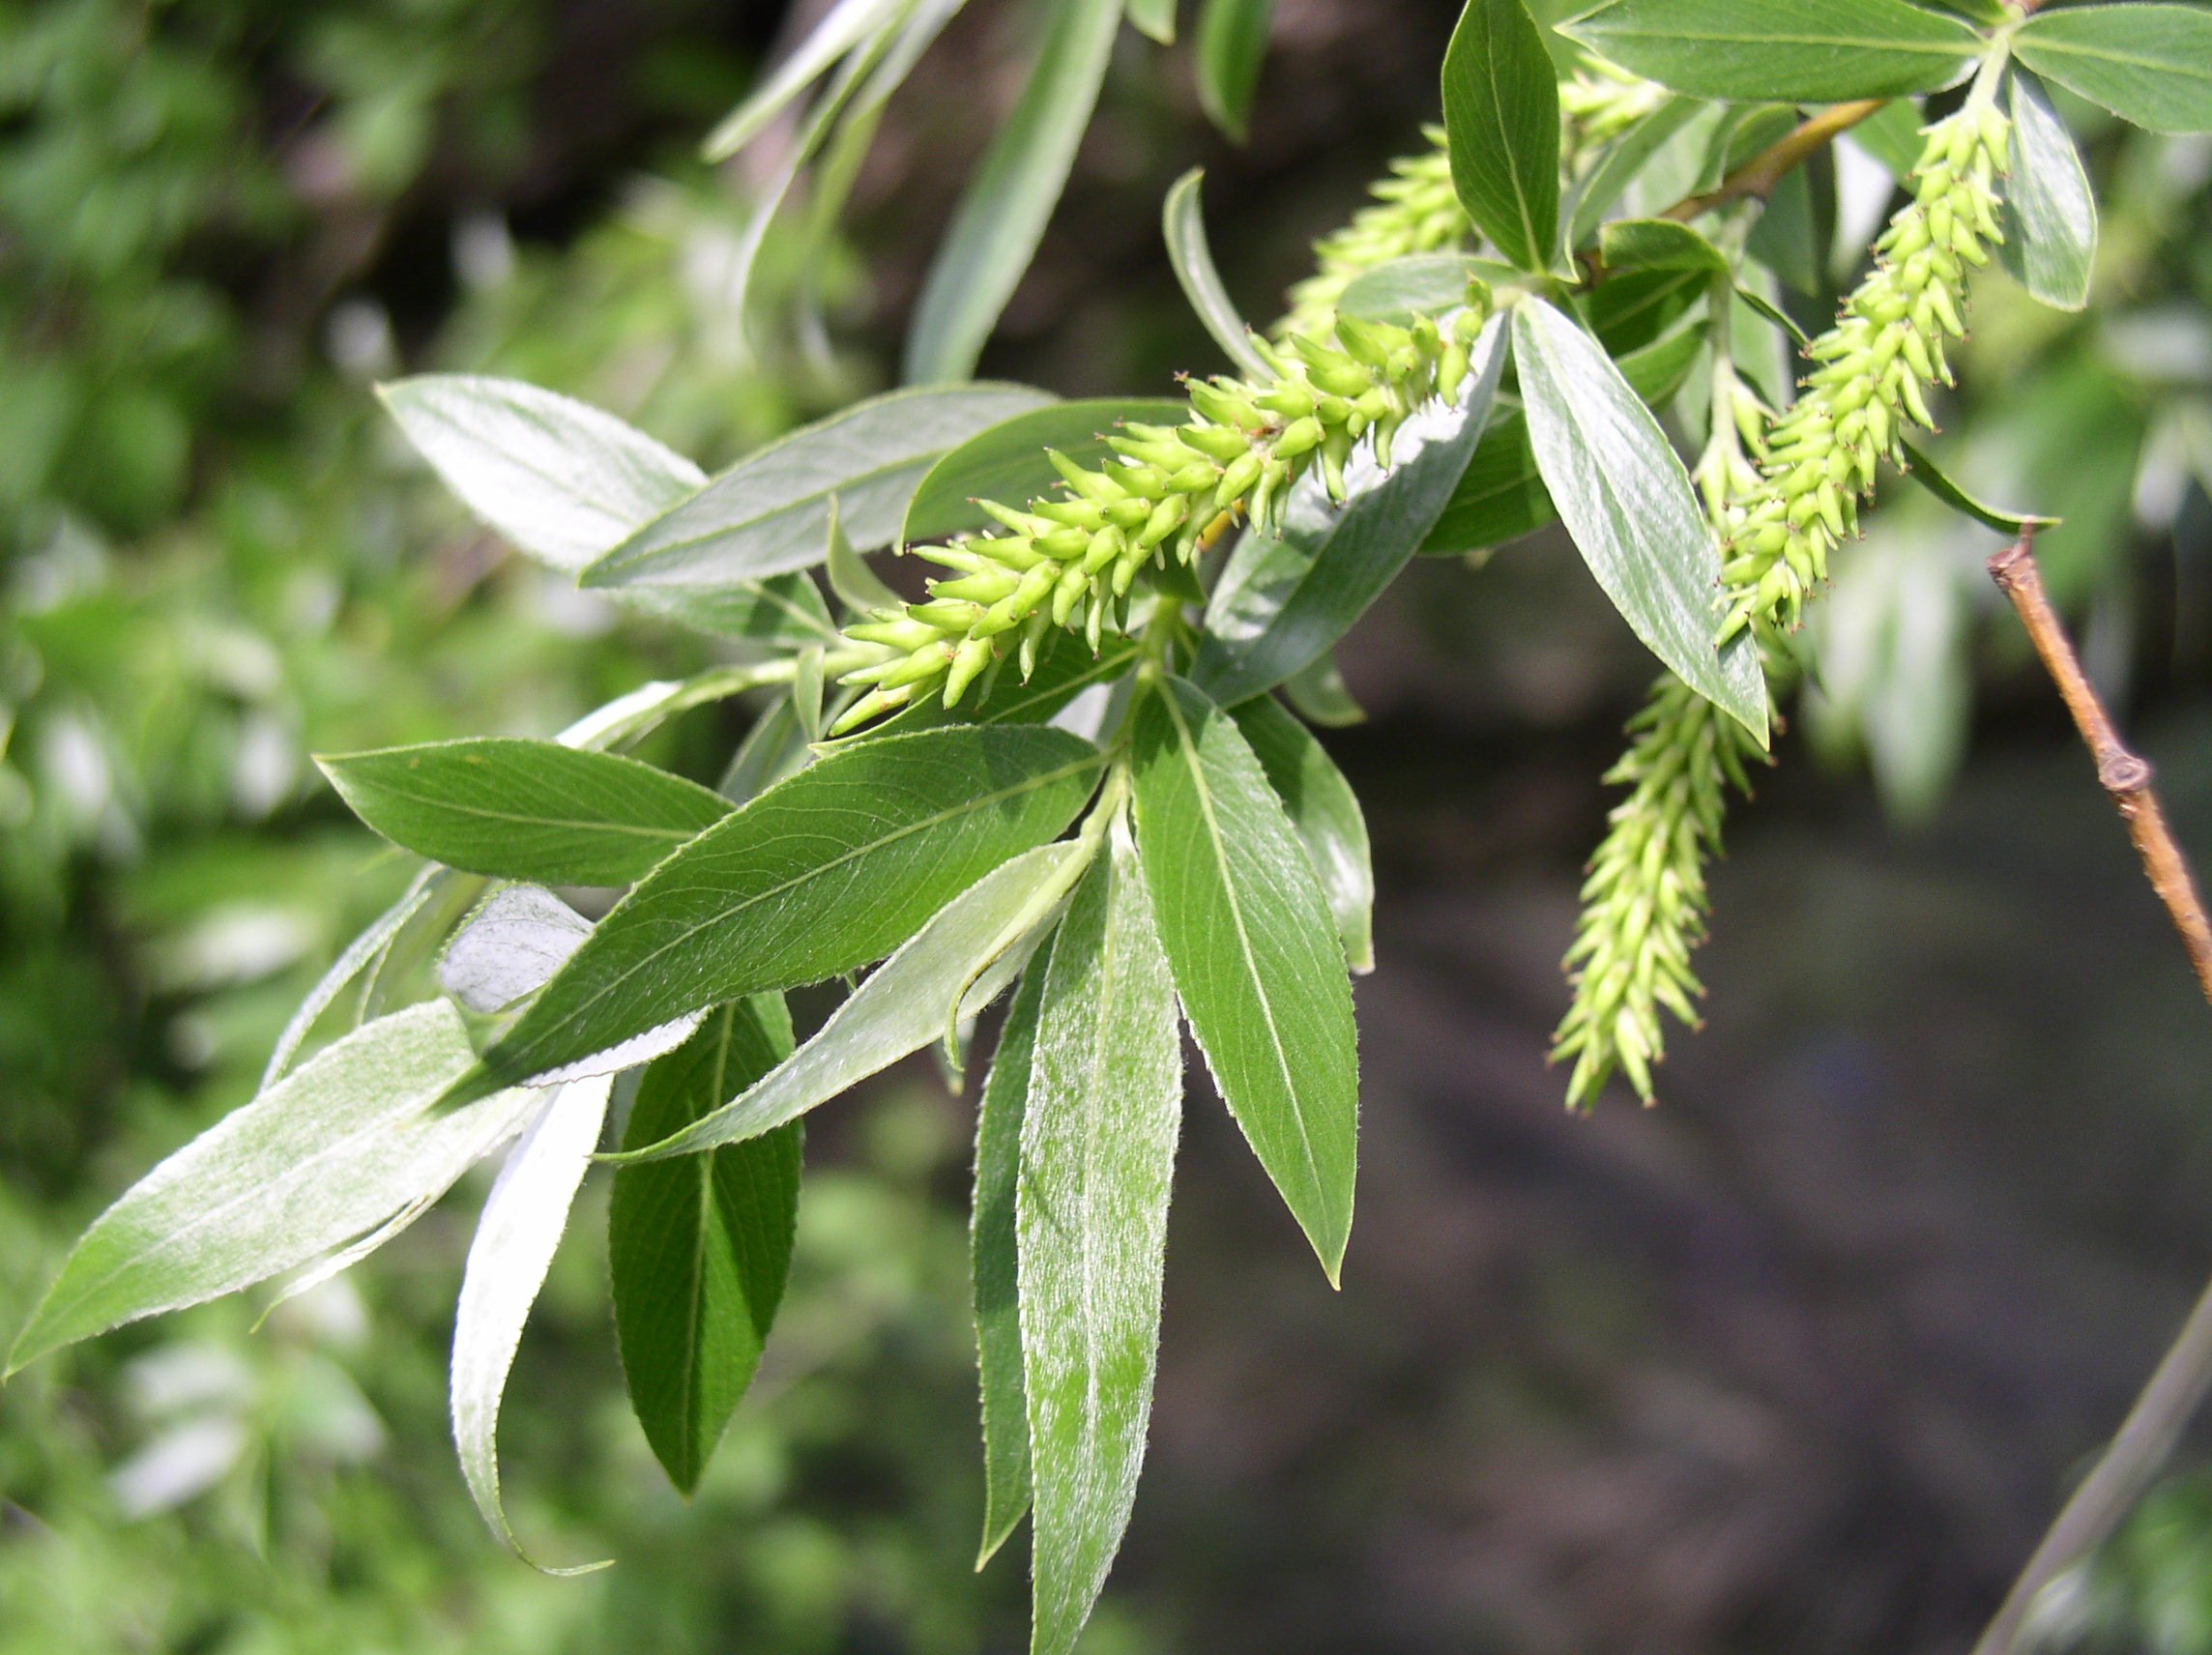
1319	692
1007	462
1003	212
1930	476
1184	226
1502	112
1621	490
525	810
1797	51
1256	959
2149	64
1097	1163
858	588
698	1249
351	962
1155	19
847	25
1232	46
510	946
1325	812
2051	214
785	611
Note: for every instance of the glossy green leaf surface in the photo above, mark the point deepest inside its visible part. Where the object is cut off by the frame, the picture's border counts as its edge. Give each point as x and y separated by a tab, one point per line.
821	874
1097	1162
1623	494
1007	462
2149	64
1811	51
1255	953
698	1250
770	513
1502	111
525	810
556	477
333	1149
1284	600
1003	212
2050	215
1183	224
903	1005
522	1223
1232	46
1325	812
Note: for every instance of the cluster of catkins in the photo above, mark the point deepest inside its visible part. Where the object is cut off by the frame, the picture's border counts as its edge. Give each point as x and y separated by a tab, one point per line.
1069	560
1644	902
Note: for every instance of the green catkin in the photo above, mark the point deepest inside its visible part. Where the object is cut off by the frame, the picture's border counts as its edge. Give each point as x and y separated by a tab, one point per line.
1070	561
1416	211
1644	901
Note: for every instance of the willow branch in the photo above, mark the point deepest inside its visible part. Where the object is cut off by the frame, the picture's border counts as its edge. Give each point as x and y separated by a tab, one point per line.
2148	1434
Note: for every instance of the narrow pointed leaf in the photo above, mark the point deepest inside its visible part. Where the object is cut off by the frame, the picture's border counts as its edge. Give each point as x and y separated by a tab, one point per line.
1184	224
858	588
993	1269
847	25
770	513
523	1218
1658	244
1623	494
1097	1160
510	946
1154	19
1007	462
332	1150
525	810
1066	668
351	960
903	1005
1284	599
1255	954
1936	481
2051	214
1321	695
1232	46
1612	175
821	874
1418	285
1502	110
1795	51
698	1250
1325	812
2151	64
1003	212
559	479
785	611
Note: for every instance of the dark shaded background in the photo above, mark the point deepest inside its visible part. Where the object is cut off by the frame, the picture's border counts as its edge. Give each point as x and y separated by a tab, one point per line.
1802	1360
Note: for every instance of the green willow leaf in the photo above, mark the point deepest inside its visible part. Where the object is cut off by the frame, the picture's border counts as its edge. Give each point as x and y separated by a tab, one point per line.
1097	1161
1066	668
2149	64
1400	289
964	957
770	513
559	479
524	810
848	24
1794	51
1183	224
353	959
784	612
1610	180
515	1238
819	875
1255	954
858	588
1321	695
1154	19
511	946
333	1149
698	1250
993	1270
2051	214
1003	212
1932	478
1232	46
1621	490
1502	110
1658	244
1007	462
1284	600
774	750
1325	812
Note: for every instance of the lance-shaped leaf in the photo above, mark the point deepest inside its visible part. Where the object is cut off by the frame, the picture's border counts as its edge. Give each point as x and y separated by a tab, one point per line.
2051	214
698	1250
1098	1159
1003	212
1255	953
1007	462
1325	812
1792	51
525	810
1232	46
846	25
523	1218
1418	285
992	1265
559	479
1284	600
2151	65
1623	160
770	512
1936	481
353	959
1658	244
1502	112
785	611
335	1147
1622	492
1183	224
965	956
1154	19
822	873
511	946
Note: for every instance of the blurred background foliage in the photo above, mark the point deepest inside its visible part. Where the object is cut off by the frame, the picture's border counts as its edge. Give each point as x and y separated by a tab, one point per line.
1798	1362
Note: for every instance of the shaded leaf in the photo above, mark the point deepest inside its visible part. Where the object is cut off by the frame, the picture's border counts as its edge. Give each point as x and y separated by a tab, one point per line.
510	946
1319	692
858	588
2149	64
351	962
1184	225
2051	214
1502	110
1325	812
784	611
1797	51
